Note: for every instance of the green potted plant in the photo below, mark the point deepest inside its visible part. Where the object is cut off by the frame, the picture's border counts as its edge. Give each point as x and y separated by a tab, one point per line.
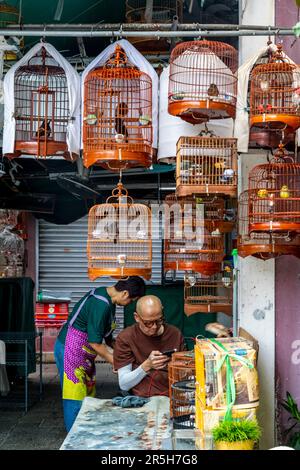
294	430
236	435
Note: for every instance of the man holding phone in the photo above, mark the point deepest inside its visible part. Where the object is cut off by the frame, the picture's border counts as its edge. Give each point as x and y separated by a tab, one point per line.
142	351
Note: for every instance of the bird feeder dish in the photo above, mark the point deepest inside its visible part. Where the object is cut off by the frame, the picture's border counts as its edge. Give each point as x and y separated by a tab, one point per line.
42	108
274	195
263	245
206	165
119	238
159	11
203	82
117	115
208	294
275	94
192	241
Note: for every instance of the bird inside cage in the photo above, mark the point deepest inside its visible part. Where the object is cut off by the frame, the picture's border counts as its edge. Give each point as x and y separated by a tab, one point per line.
213	90
121	130
44	129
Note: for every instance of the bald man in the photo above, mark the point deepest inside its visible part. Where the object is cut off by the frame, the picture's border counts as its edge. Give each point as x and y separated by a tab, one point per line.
138	353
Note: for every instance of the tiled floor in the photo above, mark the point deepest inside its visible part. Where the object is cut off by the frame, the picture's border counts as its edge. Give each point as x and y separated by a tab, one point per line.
42	426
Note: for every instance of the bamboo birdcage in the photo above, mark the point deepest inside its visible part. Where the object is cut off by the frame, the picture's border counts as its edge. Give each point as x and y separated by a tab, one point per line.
183	404
180	367
117	115
208	294
42	108
193	240
156	11
119	238
203	82
275	94
264	245
206	165
274	195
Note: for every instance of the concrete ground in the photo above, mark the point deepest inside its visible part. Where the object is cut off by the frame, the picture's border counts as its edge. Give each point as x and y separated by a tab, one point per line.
42	427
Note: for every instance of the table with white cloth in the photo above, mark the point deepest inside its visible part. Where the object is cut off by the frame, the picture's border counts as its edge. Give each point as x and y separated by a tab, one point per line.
100	425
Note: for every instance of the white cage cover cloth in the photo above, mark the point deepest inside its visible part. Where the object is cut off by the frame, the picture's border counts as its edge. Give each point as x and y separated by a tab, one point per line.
73	84
137	59
171	128
193	74
119	238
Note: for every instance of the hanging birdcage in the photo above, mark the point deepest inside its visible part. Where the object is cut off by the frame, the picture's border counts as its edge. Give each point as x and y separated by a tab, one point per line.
41	108
193	239
262	244
183	404
208	294
203	82
206	165
275	94
156	11
274	195
180	367
117	115
119	238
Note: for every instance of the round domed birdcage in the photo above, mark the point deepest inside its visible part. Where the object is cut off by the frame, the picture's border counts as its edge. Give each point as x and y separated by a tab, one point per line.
265	244
274	195
119	238
180	367
183	404
203	82
206	165
208	294
117	115
275	94
42	108
157	11
193	240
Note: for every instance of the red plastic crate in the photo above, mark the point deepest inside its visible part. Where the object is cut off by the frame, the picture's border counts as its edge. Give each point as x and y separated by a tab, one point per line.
51	312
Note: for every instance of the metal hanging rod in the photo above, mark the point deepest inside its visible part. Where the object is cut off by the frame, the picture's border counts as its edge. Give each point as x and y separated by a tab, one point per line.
142	30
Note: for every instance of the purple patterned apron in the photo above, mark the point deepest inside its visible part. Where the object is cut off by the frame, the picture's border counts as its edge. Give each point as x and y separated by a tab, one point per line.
79	359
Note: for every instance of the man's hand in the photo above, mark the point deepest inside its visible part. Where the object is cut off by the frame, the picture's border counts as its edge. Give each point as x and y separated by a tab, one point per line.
156	361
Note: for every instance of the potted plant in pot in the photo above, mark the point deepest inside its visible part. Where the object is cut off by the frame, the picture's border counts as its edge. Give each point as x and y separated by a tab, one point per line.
293	432
236	435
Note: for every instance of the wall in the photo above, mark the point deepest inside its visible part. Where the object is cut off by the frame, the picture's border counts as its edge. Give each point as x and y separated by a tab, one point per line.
287	14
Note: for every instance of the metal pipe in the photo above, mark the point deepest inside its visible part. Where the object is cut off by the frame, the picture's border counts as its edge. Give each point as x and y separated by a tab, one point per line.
234	32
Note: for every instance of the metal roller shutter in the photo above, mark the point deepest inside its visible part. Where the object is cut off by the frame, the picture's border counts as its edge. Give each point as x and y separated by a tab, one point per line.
62	261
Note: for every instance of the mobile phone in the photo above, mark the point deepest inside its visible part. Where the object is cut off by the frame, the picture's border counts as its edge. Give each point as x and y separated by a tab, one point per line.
169	352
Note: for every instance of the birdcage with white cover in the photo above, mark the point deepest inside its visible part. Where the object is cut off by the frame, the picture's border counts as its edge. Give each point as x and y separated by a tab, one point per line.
203	82
42	106
206	164
119	238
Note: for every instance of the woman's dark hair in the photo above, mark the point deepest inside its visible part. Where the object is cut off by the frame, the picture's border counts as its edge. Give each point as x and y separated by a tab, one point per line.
135	286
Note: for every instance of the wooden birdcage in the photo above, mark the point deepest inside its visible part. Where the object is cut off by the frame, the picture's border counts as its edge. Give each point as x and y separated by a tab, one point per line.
183	404
193	240
274	195
181	367
119	238
42	109
206	165
275	94
117	115
262	244
208	294
10	16
156	11
203	82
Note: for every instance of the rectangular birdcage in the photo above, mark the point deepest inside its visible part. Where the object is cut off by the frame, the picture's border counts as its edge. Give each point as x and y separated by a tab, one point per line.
119	238
206	165
207	294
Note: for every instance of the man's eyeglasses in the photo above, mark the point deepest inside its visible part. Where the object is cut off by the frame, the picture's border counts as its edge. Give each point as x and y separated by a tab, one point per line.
150	323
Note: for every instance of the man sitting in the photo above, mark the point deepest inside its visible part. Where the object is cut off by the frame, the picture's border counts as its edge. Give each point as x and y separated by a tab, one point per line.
138	358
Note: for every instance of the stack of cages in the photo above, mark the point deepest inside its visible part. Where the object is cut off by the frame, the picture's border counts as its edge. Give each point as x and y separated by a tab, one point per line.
211	381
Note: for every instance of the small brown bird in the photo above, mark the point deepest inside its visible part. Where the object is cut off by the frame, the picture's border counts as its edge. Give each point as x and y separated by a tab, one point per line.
213	90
